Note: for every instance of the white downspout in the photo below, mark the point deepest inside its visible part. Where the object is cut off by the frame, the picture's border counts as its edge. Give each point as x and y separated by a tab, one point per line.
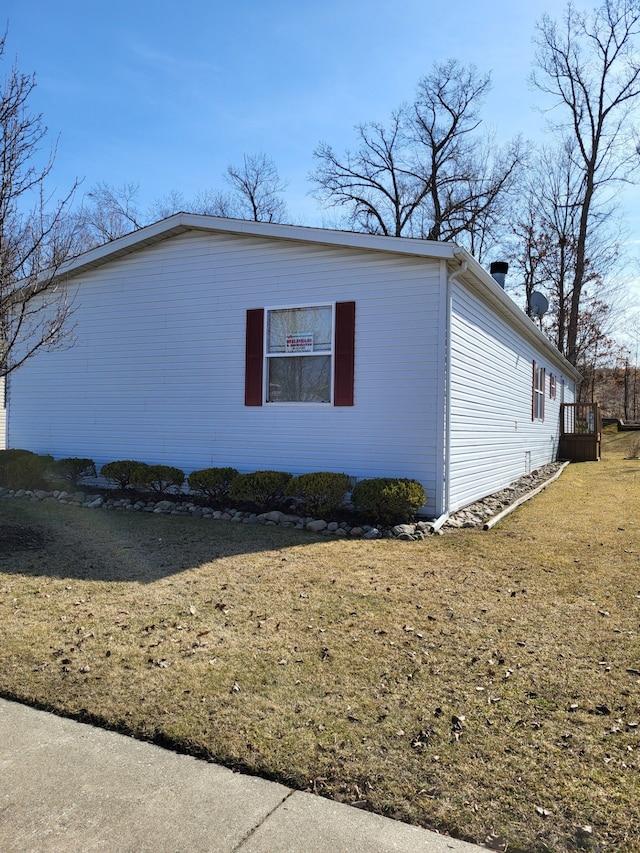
447	441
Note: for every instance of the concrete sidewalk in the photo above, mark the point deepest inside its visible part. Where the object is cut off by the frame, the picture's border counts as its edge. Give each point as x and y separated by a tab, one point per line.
72	788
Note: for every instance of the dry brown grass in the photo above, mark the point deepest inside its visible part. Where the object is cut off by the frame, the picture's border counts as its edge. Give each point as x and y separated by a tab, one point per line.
486	684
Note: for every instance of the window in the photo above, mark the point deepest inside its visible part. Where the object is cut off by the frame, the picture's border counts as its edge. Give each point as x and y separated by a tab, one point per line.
300	355
552	386
537	412
299	350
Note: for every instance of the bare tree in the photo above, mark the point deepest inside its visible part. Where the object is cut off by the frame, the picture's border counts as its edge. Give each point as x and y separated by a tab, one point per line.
631	367
553	187
595	345
547	240
167	205
467	176
381	185
254	192
111	212
590	68
34	237
429	173
547	233
214	202
256	189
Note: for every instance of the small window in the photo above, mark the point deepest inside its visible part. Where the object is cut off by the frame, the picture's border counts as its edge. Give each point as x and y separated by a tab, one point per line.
299	354
538	392
552	387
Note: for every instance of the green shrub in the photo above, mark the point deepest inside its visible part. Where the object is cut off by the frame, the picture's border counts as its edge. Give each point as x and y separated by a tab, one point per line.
214	483
320	492
263	488
387	500
27	470
8	456
73	469
157	478
120	472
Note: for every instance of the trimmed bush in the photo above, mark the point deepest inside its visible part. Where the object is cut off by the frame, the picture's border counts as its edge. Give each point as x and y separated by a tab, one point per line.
263	488
26	470
320	492
157	478
214	483
120	472
73	469
8	456
388	500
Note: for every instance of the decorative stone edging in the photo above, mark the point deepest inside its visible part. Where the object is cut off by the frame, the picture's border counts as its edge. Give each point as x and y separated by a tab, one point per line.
479	513
275	518
475	515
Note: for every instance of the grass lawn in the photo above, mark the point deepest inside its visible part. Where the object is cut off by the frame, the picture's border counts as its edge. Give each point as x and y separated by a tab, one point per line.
484	684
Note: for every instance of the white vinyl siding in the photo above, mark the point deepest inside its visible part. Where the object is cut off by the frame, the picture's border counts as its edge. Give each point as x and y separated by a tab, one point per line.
493	439
157	370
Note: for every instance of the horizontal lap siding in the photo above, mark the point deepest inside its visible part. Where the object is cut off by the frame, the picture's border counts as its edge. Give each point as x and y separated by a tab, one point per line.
493	439
157	372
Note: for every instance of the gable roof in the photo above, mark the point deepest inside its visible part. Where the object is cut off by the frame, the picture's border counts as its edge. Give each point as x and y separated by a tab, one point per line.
181	222
458	259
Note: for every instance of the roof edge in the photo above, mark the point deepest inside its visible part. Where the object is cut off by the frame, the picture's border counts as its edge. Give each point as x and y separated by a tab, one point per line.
181	222
497	296
449	252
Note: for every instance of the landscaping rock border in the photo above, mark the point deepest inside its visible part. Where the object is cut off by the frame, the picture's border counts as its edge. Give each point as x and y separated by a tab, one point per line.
474	515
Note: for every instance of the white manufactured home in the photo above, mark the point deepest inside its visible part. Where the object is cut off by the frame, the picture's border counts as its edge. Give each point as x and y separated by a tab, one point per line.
203	342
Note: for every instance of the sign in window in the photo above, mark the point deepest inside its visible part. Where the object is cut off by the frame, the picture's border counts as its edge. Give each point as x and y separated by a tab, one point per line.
299	353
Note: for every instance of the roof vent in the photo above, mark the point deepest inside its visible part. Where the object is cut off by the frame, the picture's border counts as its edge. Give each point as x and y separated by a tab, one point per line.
498	270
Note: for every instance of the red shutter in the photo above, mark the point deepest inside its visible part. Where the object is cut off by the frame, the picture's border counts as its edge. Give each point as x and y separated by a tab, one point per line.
344	357
254	357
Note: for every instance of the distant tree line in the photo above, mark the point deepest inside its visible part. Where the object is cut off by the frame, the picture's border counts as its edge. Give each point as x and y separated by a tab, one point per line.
617	388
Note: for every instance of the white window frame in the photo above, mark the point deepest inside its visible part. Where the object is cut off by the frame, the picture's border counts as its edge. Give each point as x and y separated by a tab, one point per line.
267	355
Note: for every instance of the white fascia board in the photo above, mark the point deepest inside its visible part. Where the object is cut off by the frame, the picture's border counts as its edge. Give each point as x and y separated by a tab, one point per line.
181	222
345	239
476	276
122	246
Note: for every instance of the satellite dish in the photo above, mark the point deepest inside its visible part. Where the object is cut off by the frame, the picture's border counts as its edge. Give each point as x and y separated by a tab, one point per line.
538	304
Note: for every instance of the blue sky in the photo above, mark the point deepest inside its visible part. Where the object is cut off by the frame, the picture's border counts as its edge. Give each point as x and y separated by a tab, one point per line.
167	95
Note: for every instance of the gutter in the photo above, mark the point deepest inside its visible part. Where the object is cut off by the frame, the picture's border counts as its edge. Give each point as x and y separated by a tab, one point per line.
437	523
496	296
447	404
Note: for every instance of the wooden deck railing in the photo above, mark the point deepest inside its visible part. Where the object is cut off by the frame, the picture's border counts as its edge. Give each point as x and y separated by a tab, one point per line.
580	432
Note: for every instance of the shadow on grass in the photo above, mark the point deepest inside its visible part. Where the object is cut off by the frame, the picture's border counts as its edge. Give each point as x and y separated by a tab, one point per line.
52	540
